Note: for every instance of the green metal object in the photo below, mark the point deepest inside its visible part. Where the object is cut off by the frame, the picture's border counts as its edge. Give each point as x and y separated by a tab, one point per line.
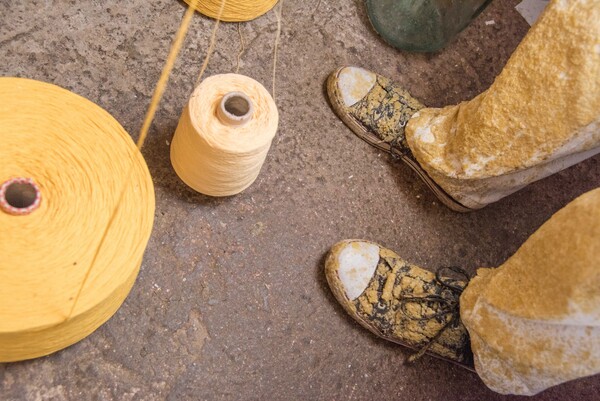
422	25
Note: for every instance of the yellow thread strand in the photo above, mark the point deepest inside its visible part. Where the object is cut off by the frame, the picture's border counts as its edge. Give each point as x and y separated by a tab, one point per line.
211	46
242	48
99	247
236	11
164	76
276	46
317	7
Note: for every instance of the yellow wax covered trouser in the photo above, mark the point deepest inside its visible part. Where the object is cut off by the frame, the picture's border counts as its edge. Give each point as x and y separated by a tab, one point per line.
534	322
541	115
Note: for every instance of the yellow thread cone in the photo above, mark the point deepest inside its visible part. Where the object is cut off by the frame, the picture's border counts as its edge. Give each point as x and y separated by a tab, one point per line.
81	159
215	157
234	10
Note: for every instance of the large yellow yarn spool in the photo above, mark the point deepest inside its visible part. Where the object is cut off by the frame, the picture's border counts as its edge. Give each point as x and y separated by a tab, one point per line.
233	10
67	266
224	134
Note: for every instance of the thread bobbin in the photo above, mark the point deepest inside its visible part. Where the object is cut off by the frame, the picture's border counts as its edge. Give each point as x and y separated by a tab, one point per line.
233	10
224	134
88	197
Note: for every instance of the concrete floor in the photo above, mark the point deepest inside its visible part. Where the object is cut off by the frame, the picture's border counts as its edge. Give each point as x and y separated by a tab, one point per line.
231	303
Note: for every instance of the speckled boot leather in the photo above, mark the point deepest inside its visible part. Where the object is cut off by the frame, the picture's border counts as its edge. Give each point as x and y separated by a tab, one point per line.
377	110
398	301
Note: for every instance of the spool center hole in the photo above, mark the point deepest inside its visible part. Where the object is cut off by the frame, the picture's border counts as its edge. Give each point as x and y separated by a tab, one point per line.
20	195
237	106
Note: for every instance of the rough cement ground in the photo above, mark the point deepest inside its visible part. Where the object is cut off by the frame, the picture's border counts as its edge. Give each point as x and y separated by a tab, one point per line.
231	303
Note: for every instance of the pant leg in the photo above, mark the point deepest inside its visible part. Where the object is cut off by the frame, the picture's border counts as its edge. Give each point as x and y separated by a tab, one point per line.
534	322
541	115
